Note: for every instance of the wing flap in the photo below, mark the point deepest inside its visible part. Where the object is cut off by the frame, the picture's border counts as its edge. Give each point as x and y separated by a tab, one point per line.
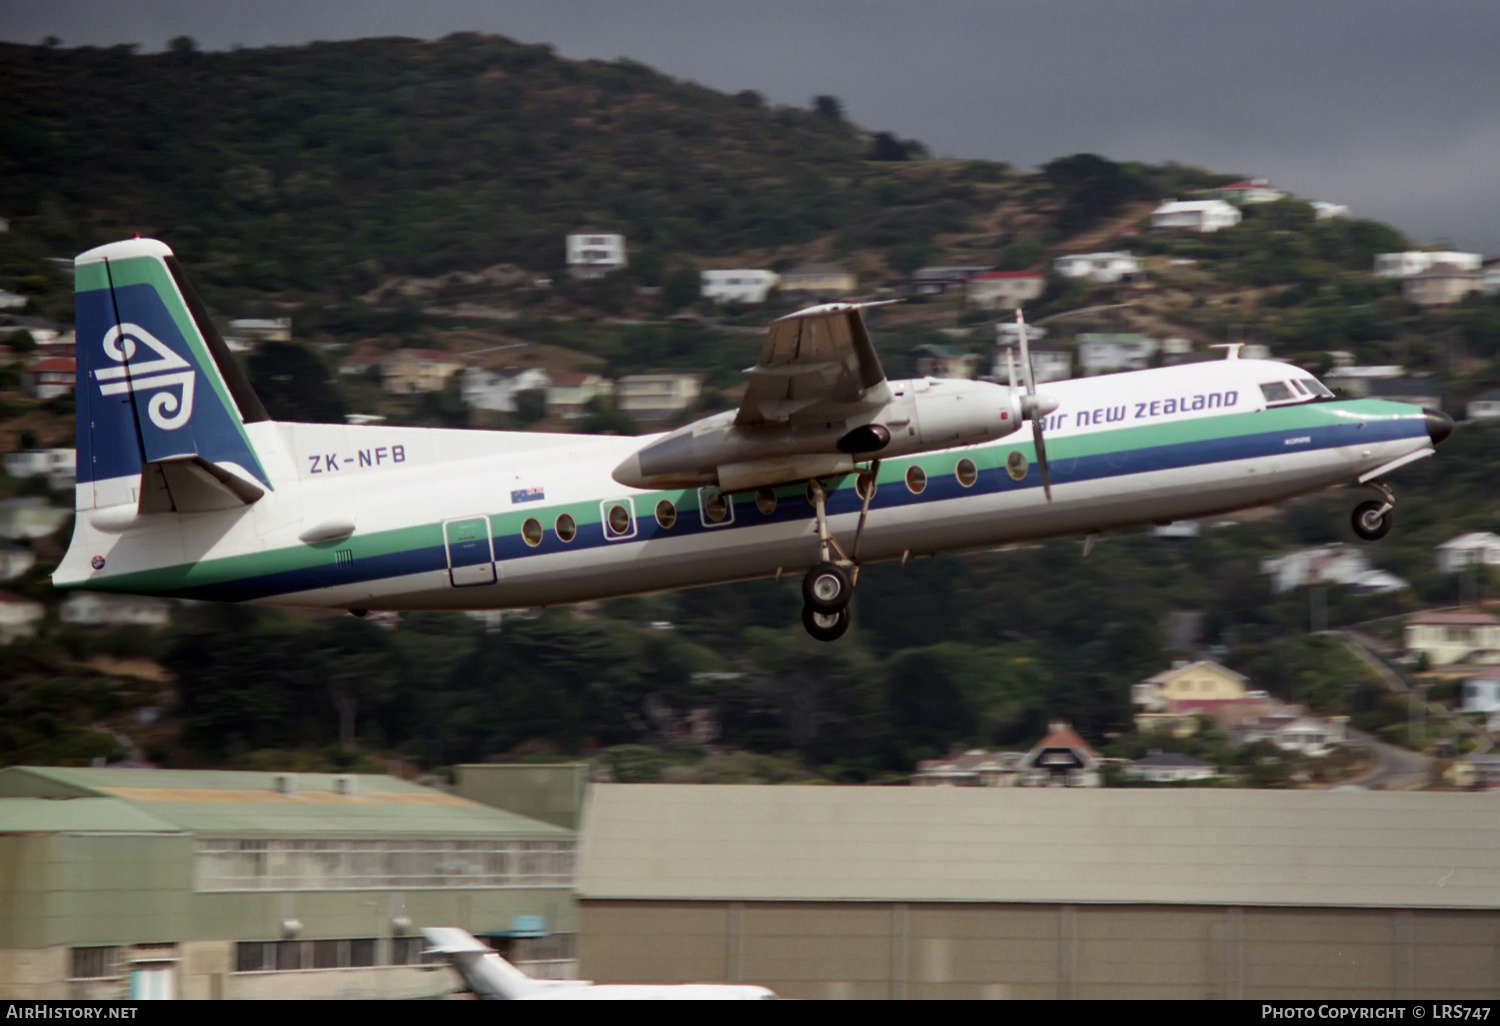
816	363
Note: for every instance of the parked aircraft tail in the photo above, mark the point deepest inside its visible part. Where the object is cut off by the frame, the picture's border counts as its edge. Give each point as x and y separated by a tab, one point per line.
162	407
484	972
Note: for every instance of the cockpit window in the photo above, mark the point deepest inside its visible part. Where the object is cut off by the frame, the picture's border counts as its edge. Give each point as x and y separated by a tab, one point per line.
1298	387
1276	392
1317	388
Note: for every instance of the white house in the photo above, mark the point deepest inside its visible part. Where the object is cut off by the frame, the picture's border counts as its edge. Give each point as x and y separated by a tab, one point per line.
742	286
262	329
41	463
1195	215
1325	211
1416	261
1105	353
11	300
1291	732
1485	405
15	560
1105	268
1250	190
50	377
1480	694
18	617
1061	759
92	609
657	396
935	281
974	768
1003	290
497	389
595	254
30	517
1327	564
1457	636
1169	768
1490	277
1476	547
570	395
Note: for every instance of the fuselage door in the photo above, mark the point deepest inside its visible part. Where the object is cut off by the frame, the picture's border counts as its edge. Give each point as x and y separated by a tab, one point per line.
471	561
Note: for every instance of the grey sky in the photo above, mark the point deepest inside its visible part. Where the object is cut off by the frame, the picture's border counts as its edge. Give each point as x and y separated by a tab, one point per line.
1390	106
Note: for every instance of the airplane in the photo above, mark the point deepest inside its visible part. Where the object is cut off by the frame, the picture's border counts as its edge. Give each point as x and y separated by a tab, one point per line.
187	488
491	978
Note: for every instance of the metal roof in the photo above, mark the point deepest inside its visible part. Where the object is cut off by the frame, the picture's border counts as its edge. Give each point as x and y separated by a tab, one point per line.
232	803
78	816
1056	845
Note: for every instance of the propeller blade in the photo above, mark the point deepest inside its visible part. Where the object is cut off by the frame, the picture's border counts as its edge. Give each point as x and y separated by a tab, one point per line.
1041	458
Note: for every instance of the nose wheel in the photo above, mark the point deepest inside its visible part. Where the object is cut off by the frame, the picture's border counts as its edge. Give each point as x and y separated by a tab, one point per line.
1372	518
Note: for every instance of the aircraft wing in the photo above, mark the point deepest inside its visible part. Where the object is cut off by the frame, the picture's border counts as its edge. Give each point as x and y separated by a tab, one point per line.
816	364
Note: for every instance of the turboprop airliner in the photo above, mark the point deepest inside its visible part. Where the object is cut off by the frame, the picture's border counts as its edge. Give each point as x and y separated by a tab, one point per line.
187	488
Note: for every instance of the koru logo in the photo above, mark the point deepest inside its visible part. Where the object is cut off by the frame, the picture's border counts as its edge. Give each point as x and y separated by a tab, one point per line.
168	410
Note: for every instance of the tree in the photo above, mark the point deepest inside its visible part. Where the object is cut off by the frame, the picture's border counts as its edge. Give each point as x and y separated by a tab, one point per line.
294	385
830	107
681	288
531	405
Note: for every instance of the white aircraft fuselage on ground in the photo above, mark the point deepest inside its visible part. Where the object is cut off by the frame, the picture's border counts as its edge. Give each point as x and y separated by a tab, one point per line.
186	488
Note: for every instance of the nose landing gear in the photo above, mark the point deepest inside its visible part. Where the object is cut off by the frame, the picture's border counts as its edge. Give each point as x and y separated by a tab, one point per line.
1372	518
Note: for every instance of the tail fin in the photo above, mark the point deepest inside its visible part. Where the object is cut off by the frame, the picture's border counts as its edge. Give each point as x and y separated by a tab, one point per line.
161	404
484	972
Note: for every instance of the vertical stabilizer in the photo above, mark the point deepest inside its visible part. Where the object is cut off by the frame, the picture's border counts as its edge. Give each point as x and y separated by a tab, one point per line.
156	383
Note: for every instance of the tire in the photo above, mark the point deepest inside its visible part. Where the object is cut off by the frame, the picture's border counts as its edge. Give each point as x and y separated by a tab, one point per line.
1369	523
827	588
825	626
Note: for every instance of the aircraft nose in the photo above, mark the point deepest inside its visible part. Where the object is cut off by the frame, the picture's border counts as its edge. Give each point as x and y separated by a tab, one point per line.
1439	425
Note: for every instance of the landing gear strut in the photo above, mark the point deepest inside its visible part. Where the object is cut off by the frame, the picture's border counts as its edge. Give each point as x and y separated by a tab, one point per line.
1372	519
829	585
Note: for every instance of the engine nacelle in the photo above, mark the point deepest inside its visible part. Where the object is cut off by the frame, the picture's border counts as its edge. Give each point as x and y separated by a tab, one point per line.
922	415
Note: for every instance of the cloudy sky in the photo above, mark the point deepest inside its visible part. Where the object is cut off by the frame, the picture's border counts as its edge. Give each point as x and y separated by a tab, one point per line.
1390	106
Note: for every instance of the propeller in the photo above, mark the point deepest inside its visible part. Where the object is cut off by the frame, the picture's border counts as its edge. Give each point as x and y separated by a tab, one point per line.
1033	407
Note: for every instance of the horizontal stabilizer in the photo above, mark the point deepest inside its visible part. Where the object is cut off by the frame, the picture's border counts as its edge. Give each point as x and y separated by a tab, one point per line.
192	484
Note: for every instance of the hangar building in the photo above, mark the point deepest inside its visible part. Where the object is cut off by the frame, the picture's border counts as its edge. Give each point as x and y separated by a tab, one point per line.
877	892
204	884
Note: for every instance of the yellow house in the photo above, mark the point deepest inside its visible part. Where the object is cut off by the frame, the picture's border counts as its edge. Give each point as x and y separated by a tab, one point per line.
1174	699
825	280
408	371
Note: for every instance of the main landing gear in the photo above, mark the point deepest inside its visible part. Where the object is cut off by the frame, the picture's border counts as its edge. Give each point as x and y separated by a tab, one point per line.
829	585
1372	518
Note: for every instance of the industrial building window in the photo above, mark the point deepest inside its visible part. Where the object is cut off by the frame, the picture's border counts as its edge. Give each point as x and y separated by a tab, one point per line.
254	956
278	865
94	963
406	950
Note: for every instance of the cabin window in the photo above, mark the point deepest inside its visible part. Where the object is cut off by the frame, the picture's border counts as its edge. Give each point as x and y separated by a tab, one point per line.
966	473
916	479
1276	392
1015	465
864	485
565	527
666	513
531	531
619	520
715	506
765	500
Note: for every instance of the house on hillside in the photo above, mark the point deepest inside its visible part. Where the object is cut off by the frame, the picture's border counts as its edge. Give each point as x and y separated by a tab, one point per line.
593	254
660	396
11	300
410	371
737	286
1338	564
497	389
1415	261
937	281
19	617
935	361
1003	290
1248	191
1449	637
1103	268
261	329
15	560
1061	759
1175	701
974	768
819	281
50	377
1294	731
58	464
360	364
1170	768
1477	548
570	395
29	516
1441	285
1484	406
1195	215
1108	352
1325	211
